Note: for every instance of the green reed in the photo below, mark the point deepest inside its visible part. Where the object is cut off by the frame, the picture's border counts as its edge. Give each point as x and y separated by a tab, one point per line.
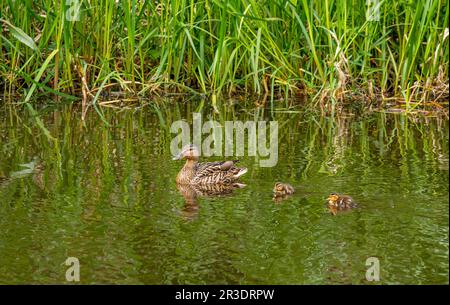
328	49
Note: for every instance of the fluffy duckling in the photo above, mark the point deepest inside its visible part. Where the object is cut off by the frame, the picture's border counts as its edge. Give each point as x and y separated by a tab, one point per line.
338	202
282	189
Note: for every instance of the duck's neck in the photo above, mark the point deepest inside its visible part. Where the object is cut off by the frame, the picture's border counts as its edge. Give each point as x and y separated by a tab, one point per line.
187	172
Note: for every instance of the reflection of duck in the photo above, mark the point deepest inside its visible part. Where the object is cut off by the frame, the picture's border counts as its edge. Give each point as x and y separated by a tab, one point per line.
190	209
38	176
35	169
192	192
338	202
194	173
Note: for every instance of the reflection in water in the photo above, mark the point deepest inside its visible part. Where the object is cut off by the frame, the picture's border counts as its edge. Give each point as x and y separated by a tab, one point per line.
280	199
34	168
191	207
107	195
192	192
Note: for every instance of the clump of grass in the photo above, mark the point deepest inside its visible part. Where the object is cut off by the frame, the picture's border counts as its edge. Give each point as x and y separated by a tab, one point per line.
332	50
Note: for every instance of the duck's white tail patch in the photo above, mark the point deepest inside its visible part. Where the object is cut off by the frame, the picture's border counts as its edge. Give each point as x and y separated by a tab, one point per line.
241	172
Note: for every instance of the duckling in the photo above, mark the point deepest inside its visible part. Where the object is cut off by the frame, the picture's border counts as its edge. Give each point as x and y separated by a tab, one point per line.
194	173
338	202
282	189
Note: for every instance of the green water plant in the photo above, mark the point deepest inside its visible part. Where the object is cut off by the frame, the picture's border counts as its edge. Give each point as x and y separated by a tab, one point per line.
334	51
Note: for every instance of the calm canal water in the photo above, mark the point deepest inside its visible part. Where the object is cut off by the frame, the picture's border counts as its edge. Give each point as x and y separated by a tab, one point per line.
107	195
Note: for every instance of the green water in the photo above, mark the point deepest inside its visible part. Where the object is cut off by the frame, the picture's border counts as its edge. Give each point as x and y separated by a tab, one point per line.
107	195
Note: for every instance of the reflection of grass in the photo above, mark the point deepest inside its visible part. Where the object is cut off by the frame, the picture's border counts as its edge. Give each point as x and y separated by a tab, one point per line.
116	206
271	48
327	145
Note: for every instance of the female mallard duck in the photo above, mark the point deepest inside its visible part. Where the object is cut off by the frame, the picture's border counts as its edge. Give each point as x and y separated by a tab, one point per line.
282	189
222	172
338	202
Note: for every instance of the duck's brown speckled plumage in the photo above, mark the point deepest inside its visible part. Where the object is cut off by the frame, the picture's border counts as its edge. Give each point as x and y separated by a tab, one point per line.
207	190
222	172
191	192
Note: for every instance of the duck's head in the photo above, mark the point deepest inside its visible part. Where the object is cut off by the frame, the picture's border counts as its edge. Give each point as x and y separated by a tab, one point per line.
333	198
189	152
279	187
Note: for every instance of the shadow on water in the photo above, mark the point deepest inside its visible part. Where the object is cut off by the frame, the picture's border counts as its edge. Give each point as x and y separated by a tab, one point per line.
107	195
